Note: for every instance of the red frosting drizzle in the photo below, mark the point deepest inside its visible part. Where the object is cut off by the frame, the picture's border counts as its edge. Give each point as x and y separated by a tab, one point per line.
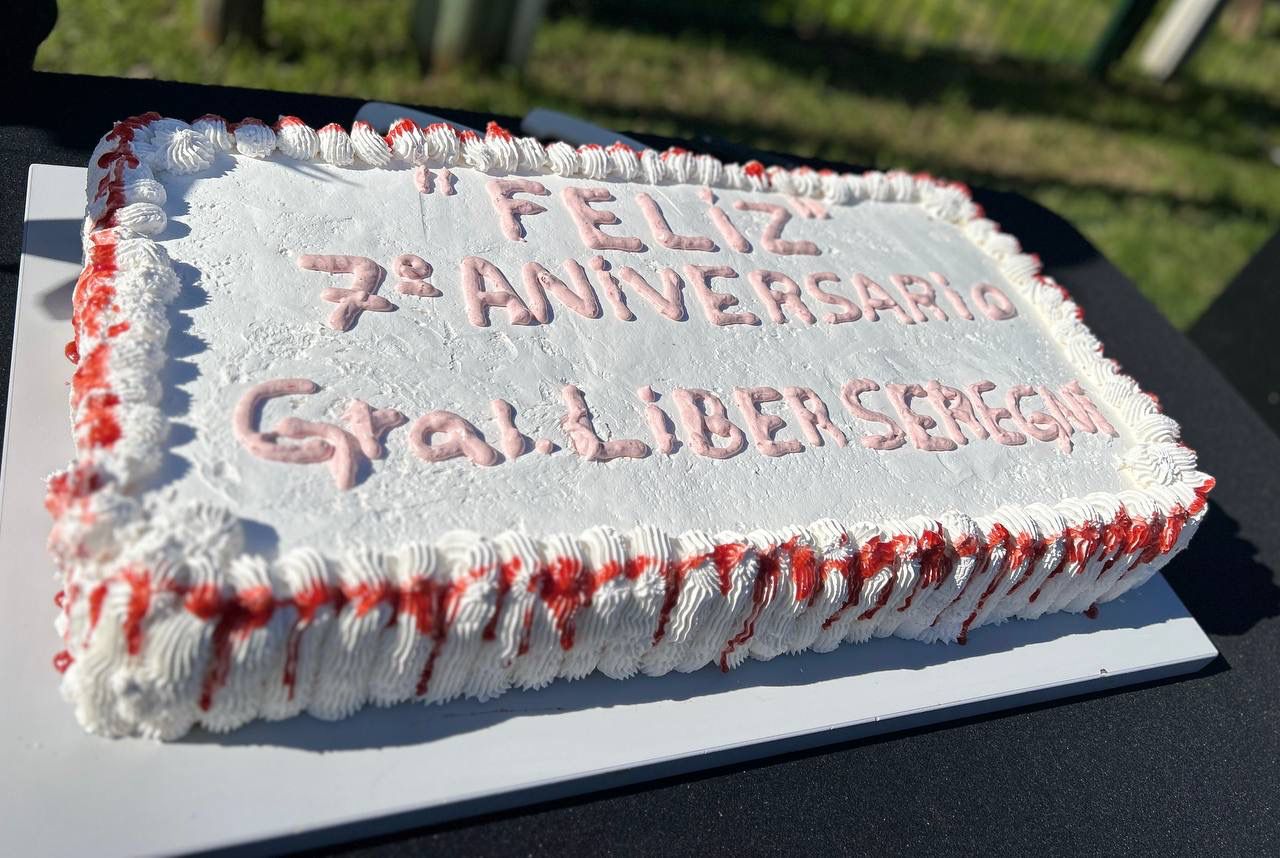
251	609
139	581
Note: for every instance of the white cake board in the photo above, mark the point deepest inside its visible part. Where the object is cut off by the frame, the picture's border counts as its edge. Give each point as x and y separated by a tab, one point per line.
63	792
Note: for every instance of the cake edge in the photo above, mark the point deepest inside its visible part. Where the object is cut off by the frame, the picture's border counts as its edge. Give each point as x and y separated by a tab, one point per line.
167	623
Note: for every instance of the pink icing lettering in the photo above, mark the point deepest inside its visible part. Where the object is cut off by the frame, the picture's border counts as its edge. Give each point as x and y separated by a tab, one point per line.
953	409
661	230
918	425
874	297
447	182
545	446
787	294
514	442
772	239
413	272
367	276
851	396
581	299
422	179
849	311
954	297
714	303
475	273
811	419
764	426
1037	424
464	439
612	291
807	208
509	210
369	426
1074	393
669	302
660	425
264	445
993	303
918	302
345	461
581	430
991	417
589	220
720	219
704	415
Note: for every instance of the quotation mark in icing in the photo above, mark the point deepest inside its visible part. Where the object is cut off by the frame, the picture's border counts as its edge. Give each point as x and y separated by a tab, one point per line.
367	276
426	181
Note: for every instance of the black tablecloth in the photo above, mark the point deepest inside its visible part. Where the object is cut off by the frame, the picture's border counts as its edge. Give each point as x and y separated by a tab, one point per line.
1176	766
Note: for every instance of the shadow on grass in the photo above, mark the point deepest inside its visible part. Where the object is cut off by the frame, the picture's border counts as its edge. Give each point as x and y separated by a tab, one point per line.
1224	119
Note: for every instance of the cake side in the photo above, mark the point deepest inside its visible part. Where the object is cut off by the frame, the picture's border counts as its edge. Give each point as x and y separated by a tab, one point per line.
168	622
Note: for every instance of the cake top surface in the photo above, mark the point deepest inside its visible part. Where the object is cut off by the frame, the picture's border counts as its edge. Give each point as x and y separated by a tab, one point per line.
463	333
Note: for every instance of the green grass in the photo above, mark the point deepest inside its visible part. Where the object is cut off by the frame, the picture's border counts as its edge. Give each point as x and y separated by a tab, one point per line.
1174	184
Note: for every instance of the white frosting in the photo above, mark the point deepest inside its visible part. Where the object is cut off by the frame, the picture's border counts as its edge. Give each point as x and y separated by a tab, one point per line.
254	139
369	146
335	146
296	139
693	561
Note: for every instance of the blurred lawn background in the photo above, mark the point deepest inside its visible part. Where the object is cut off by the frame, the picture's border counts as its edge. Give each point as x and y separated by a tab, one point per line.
1177	184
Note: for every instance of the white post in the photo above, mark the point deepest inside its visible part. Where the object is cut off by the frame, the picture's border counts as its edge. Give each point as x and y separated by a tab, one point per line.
1176	36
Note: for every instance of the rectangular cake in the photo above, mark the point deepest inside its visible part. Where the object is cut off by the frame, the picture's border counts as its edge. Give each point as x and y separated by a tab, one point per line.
366	418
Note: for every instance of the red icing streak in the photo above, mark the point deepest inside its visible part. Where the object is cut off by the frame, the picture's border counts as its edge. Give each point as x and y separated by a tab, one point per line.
883	599
762	593
117	329
249	611
506	577
445	611
935	566
1024	554
673	575
60	599
62	661
804	573
139	581
401	126
566	589
636	565
90	375
414	602
96	597
72	487
95	290
496	131
725	557
968	546
875	555
468	136
204	601
366	597
99	423
999	535
307	603
287	121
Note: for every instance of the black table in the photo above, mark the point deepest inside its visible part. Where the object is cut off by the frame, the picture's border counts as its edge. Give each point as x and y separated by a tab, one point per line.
1176	766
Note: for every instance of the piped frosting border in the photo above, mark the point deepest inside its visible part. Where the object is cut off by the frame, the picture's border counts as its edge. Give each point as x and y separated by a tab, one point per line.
167	622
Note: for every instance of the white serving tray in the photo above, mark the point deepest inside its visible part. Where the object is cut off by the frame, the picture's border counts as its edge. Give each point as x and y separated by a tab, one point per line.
63	792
